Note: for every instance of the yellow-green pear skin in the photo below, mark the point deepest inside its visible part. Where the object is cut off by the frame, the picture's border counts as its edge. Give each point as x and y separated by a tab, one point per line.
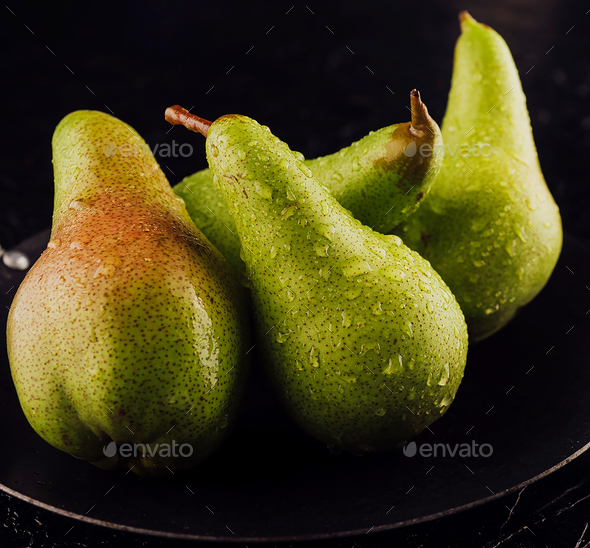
382	179
130	328
361	339
490	226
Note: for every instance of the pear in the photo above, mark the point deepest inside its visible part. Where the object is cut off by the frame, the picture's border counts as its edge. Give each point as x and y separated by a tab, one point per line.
490	226
361	339
381	179
127	337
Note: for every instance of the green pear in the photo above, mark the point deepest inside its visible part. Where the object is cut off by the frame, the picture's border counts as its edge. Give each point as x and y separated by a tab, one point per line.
381	179
362	340
490	226
127	337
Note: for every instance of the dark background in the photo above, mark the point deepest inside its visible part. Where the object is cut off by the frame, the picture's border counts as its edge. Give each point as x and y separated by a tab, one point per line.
291	66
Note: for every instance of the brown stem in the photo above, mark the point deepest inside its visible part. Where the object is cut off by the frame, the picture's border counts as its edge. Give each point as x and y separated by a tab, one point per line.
179	116
421	120
463	16
466	21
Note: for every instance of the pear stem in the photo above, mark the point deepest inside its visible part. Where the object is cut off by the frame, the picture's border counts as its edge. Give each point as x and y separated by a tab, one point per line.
421	120
464	15
179	116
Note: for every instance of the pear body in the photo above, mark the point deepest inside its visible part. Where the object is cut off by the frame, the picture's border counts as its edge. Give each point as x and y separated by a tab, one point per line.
381	179
130	327
490	226
362	340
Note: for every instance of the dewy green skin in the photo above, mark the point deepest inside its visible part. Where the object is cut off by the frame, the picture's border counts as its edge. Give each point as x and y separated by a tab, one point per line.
381	179
362	340
490	226
130	327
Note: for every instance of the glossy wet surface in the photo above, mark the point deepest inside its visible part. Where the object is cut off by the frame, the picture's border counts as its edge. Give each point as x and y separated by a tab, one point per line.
526	393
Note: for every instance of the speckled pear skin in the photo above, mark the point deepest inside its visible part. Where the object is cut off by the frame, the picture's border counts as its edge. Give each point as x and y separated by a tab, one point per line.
130	327
362	341
378	178
490	226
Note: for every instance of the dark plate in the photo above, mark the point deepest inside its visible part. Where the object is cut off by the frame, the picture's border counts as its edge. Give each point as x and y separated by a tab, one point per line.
526	393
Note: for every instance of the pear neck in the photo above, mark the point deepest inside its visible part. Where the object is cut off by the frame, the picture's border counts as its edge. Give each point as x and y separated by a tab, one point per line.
96	156
270	193
486	101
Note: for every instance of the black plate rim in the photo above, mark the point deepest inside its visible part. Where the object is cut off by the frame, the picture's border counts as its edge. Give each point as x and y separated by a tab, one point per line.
294	538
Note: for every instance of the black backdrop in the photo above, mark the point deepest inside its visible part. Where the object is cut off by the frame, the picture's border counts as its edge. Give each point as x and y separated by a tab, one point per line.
319	74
